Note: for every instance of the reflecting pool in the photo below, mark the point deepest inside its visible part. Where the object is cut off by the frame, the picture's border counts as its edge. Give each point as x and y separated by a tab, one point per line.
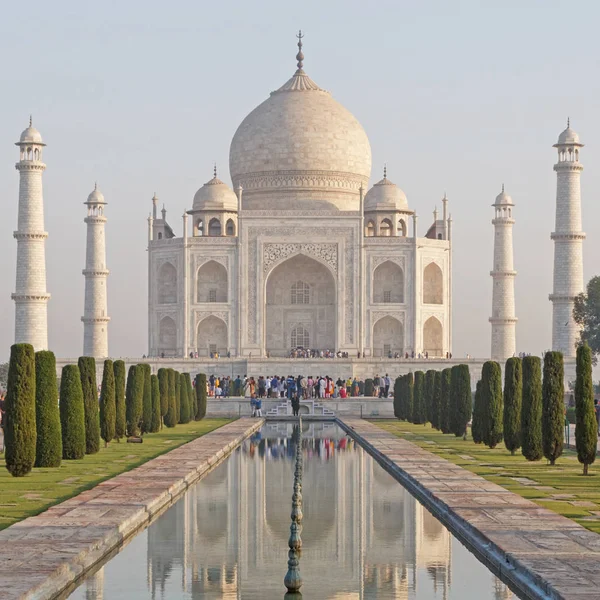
364	536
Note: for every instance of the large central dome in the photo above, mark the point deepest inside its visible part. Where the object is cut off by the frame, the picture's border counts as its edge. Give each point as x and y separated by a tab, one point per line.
300	149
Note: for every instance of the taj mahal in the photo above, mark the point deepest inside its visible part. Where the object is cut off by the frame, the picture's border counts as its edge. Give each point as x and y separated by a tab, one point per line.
300	252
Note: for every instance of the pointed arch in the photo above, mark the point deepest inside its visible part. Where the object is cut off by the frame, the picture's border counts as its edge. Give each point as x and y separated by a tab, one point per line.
433	285
214	227
211	336
211	283
167	337
167	284
401	227
230	227
433	337
370	229
388	283
386	228
388	336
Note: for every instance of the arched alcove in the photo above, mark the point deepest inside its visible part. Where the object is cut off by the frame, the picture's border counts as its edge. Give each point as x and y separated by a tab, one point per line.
370	229
212	336
433	285
214	227
211	285
230	227
385	228
167	337
388	283
167	284
402	228
388	336
433	337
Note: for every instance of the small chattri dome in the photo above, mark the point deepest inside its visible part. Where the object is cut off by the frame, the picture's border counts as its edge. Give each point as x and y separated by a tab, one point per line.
503	198
568	136
96	197
31	136
385	195
215	195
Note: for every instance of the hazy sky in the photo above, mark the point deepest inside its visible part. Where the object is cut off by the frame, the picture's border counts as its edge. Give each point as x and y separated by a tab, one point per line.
144	96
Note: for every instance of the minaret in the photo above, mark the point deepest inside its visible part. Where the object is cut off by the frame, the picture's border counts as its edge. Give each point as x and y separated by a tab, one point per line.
95	318
568	239
31	298
503	318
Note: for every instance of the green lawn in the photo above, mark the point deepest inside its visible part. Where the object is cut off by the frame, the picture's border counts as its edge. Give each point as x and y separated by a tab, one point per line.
22	497
561	488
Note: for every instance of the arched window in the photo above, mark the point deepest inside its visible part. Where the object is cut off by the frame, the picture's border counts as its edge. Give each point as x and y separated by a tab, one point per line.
212	282
300	337
199	228
388	283
370	229
433	338
300	293
433	285
385	229
167	284
402	228
214	227
167	336
230	227
36	154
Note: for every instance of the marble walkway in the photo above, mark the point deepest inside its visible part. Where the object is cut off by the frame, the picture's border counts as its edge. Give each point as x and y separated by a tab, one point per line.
540	552
40	556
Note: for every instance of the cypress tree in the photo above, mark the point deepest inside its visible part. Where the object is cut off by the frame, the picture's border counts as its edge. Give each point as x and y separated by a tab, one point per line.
586	428
171	416
108	408
418	415
72	413
177	396
476	423
429	393
409	396
531	411
460	400
192	397
163	386
134	399
513	393
146	398
437	400
201	396
397	397
120	413
87	372
156	416
553	420
445	400
48	451
491	403
184	413
20	428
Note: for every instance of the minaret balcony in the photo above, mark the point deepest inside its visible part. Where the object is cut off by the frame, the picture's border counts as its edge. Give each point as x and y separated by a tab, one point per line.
567	235
503	273
30	235
502	320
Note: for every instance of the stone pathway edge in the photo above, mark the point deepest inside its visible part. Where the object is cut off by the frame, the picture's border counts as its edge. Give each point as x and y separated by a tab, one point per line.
43	556
501	561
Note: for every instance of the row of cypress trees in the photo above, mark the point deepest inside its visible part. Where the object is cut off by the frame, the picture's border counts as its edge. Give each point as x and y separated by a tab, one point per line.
41	431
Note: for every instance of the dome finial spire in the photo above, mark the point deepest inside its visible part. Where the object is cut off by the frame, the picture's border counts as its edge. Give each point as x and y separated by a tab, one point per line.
215	169
502	188
385	170
568	122
30	120
300	56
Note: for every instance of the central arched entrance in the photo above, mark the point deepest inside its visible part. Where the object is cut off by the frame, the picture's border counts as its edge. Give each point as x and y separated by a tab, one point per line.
300	307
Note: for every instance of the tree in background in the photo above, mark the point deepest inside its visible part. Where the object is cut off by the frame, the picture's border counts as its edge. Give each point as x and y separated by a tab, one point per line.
437	400
72	413
586	313
553	420
419	417
120	413
586	428
48	450
531	410
20	427
134	399
513	394
445	404
398	383
87	372
476	422
460	400
184	414
146	398
156	416
429	392
201	396
171	416
108	409
163	386
491	403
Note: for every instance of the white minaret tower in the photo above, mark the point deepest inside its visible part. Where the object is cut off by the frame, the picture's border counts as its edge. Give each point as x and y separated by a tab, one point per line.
503	318
95	318
568	239
31	298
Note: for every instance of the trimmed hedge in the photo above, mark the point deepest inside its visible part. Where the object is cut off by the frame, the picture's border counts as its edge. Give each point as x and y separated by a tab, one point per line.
201	396
177	396
460	400
513	395
531	409
133	399
20	427
171	416
72	413
146	421
184	411
586	428
120	412
476	422
369	387
192	397
437	400
48	451
163	386
108	409
156	422
491	403
429	392
418	414
87	372
445	400
553	420
398	384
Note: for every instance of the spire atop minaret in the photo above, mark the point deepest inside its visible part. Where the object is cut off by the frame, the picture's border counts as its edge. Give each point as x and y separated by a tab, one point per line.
385	170
215	170
30	120
568	122
300	55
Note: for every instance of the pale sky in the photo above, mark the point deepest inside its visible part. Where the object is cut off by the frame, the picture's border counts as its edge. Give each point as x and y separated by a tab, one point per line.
457	96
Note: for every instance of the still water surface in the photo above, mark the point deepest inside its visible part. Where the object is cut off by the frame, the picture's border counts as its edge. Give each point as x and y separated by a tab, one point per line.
364	536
